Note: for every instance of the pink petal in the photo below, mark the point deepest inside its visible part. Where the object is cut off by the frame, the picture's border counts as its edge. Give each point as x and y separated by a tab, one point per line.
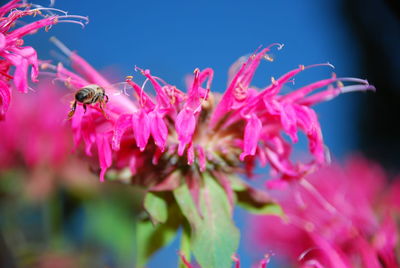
332	253
251	136
162	98
85	69
30	55
70	78
141	128
159	129
144	99
185	125
225	104
7	7
31	27
5	98
302	92
2	42
105	154
122	124
308	121
20	75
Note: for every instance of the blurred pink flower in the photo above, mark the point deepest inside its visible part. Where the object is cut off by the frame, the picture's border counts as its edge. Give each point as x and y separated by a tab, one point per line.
35	138
12	51
336	217
198	130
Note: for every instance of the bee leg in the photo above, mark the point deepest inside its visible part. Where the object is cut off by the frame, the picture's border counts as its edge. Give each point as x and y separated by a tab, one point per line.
73	108
106	98
84	107
102	104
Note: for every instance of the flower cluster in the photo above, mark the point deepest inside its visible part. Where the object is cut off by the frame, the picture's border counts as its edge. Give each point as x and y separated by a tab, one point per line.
336	217
12	51
198	130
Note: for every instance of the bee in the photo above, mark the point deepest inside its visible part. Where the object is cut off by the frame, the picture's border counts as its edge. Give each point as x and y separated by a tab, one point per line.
89	94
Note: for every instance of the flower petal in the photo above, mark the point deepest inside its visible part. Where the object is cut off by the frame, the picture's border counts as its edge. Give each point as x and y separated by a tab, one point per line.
185	125
105	154
159	129
251	136
141	128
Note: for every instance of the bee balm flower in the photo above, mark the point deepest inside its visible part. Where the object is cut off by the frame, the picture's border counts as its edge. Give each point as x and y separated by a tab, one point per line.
198	130
12	51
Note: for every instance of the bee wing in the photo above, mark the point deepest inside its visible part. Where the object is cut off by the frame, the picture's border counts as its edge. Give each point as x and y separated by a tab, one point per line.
118	88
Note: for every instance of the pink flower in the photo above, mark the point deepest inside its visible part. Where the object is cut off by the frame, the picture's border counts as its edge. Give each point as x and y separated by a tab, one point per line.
37	142
199	130
336	217
12	51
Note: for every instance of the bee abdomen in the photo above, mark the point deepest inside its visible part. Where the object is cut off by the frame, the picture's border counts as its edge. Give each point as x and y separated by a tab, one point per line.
84	95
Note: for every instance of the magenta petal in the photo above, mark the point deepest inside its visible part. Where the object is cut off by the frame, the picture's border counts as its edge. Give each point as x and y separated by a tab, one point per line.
29	54
104	152
159	129
251	136
84	68
122	124
281	165
286	114
31	27
141	128
332	254
185	125
7	7
20	76
386	241
308	121
5	98
70	78
2	42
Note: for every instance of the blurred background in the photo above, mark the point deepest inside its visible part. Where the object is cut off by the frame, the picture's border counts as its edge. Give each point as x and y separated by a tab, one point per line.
172	38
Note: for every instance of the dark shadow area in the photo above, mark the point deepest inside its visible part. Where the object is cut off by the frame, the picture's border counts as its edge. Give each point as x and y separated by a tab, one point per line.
376	26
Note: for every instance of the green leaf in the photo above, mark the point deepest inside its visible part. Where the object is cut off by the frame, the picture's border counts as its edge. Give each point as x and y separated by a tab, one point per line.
214	237
266	208
156	206
151	238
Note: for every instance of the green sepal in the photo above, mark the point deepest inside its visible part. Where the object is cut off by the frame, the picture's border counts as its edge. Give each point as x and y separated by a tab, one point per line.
156	205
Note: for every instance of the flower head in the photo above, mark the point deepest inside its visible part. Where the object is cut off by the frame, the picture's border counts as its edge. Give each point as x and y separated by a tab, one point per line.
198	130
12	51
336	217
